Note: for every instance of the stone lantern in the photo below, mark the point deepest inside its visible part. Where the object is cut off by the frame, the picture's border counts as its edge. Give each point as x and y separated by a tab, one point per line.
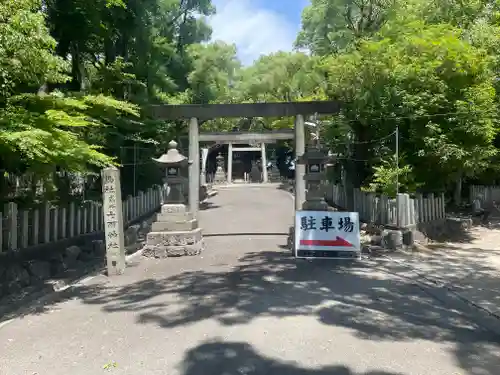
175	231
220	175
315	161
172	162
220	162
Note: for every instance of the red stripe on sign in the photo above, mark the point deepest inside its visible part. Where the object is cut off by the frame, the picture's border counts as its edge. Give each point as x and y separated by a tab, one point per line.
338	242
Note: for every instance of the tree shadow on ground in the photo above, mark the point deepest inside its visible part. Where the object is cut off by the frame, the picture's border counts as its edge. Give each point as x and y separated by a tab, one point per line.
457	234
494	223
372	304
454	266
236	358
471	271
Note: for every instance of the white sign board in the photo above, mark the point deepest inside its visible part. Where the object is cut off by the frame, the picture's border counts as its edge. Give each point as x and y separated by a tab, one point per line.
327	234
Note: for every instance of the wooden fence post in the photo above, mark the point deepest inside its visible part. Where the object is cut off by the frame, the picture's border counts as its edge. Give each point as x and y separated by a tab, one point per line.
12	217
85	218
91	217
36	227
25	222
78	220
72	219
432	207
56	224
46	223
64	222
443	206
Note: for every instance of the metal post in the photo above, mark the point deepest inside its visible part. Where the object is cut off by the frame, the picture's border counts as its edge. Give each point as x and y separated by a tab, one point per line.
134	170
317	130
397	175
397	159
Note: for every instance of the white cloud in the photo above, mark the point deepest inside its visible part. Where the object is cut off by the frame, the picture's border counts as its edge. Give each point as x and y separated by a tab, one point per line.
255	31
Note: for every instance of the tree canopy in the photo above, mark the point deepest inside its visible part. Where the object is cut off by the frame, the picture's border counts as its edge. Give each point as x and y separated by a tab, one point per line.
75	76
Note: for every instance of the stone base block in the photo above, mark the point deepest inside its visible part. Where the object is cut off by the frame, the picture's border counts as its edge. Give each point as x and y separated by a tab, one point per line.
315	204
394	240
174	217
170	251
177	238
220	177
174	244
174	226
176	208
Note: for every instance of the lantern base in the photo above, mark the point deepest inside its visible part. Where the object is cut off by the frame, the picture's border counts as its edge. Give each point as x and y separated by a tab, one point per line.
315	204
173	244
220	176
175	233
173	226
274	174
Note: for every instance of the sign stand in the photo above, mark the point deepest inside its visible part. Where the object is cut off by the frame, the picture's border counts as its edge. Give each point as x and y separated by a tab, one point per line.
327	235
319	231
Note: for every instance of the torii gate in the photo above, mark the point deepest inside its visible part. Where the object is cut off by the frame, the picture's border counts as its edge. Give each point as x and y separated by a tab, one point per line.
203	112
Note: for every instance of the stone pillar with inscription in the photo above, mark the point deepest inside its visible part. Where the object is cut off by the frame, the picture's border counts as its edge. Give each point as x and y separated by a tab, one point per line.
175	231
113	221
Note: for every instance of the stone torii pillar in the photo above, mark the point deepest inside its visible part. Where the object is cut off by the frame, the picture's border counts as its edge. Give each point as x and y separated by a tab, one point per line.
194	167
300	168
300	173
230	163
264	162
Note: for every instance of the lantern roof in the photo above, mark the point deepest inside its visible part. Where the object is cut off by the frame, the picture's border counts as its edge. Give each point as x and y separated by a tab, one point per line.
172	156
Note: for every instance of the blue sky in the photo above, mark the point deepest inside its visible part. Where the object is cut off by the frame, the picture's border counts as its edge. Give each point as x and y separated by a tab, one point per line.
257	26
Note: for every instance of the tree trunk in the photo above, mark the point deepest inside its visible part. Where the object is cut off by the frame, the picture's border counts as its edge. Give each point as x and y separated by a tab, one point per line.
109	51
76	68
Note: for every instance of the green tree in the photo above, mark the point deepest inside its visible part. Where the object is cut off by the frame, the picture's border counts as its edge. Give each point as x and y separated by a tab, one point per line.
215	72
41	133
331	26
282	76
437	87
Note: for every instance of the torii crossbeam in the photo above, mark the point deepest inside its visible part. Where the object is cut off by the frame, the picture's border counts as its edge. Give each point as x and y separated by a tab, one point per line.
203	112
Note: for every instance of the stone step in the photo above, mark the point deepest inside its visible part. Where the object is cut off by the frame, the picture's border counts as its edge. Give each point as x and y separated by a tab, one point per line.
174	209
172	226
174	217
175	238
